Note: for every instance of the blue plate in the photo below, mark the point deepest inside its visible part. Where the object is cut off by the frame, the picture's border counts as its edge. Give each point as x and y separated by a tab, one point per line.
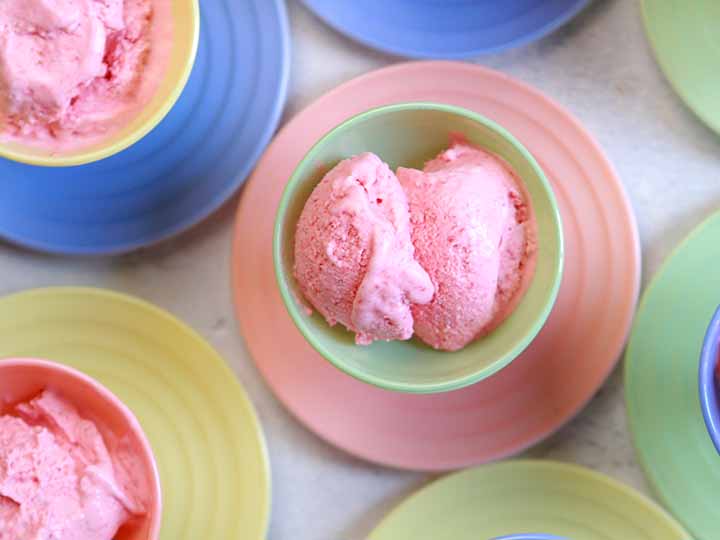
445	28
185	168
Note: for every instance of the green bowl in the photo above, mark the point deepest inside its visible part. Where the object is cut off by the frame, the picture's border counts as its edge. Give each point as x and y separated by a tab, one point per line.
410	134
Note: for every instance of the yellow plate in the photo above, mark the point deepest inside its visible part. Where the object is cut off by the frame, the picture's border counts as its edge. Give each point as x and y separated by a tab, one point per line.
203	429
516	497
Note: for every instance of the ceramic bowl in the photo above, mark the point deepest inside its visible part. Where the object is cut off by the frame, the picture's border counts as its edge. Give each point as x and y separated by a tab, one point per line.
175	42
532	536
708	386
409	134
22	379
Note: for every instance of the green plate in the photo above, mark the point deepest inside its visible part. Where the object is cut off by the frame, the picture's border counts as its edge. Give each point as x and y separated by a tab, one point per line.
204	432
661	380
528	496
686	37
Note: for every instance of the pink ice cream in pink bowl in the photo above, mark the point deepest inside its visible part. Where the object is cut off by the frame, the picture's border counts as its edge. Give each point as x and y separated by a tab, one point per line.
74	462
440	228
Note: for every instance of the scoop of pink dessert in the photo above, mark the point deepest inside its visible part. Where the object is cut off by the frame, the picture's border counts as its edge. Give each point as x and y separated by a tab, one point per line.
354	258
70	68
471	234
59	479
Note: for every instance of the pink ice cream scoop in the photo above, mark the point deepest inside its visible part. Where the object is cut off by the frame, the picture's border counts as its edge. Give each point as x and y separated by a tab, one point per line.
60	479
70	68
354	258
471	233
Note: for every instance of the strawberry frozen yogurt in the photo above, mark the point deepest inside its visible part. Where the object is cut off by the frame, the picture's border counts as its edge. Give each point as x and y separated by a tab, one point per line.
472	234
71	69
354	259
60	479
446	252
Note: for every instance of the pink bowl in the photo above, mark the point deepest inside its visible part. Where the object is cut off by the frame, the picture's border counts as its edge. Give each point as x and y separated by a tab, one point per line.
23	378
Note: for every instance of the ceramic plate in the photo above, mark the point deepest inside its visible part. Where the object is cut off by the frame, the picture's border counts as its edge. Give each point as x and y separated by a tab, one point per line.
185	168
447	28
203	429
526	401
661	382
528	497
686	39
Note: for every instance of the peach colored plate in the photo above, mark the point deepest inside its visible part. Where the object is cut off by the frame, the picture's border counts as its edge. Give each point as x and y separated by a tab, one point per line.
525	402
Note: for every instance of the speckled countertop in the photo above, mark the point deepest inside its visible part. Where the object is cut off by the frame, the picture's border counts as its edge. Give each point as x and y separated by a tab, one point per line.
601	69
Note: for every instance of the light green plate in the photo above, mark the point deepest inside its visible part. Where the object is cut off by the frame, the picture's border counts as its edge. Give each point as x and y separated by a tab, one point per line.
686	37
528	496
661	380
204	432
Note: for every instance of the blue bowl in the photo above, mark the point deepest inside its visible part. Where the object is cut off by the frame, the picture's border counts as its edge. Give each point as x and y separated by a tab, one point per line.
707	384
530	536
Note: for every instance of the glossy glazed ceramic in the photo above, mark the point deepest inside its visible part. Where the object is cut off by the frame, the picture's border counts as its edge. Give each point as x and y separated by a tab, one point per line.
661	381
486	502
409	135
206	437
521	404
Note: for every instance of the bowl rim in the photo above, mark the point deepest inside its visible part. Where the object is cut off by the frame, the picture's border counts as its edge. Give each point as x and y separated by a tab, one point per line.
428	387
530	536
707	385
155	512
85	158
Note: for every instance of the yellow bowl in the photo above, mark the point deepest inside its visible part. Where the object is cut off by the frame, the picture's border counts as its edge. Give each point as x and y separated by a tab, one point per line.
178	59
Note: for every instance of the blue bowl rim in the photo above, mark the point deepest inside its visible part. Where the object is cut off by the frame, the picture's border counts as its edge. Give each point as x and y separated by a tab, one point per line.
706	379
530	536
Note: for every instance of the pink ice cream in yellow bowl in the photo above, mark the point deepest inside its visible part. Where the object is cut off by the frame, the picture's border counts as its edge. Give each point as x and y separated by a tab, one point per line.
81	80
418	247
74	461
